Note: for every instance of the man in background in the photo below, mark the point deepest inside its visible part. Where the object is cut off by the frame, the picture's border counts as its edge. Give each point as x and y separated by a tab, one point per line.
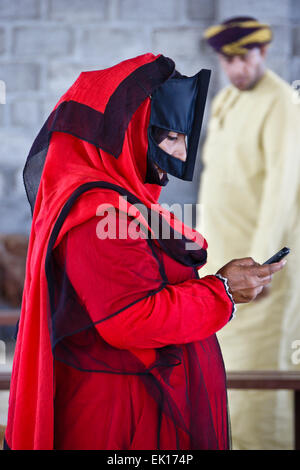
249	203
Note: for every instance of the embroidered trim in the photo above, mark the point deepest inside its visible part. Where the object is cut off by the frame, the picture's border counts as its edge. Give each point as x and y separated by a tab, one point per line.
225	282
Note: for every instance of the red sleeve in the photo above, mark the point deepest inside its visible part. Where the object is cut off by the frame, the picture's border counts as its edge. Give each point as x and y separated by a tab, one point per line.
120	282
181	313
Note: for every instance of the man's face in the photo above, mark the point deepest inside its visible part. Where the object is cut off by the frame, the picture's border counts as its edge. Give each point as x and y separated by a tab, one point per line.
244	70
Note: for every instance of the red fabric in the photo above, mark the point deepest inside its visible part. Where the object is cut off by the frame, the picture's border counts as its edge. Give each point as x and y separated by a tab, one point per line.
108	411
115	412
154	321
70	162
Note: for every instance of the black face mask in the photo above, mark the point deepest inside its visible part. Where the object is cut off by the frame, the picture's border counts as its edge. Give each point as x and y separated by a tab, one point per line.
178	106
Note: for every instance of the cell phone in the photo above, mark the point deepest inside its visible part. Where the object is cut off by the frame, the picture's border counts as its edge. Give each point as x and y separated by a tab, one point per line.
278	256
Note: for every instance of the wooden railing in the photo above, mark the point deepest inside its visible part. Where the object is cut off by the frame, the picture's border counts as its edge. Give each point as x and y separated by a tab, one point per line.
262	380
5	380
270	380
9	317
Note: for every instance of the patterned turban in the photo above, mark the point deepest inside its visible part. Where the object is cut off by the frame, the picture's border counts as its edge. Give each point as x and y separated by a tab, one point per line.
237	35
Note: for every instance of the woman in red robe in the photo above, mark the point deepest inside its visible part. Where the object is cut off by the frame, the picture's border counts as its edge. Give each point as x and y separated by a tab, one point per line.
116	346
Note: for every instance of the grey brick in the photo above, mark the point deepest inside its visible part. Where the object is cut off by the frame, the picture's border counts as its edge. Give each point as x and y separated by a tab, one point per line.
81	10
2	112
191	65
281	43
295	69
263	10
19	182
3	93
15	214
26	113
172	194
48	105
15	145
9	181
31	41
108	45
2	186
20	76
77	35
19	9
296	41
185	47
148	10
201	9
294	10
61	75
280	65
179	41
2	40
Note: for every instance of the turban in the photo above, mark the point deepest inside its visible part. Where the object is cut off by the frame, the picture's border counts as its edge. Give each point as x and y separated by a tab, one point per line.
237	35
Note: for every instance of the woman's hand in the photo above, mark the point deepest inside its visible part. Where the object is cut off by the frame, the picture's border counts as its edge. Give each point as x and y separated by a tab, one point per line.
246	278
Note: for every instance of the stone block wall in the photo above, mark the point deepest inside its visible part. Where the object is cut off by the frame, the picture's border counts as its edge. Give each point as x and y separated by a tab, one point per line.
45	44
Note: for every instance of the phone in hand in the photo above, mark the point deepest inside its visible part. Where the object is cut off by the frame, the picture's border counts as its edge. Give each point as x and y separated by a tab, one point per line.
278	256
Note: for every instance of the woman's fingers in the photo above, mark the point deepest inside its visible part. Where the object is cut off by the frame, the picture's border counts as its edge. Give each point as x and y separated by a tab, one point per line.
269	269
264	273
274	267
261	275
264	281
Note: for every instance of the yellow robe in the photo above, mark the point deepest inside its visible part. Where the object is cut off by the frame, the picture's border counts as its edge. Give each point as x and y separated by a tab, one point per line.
249	205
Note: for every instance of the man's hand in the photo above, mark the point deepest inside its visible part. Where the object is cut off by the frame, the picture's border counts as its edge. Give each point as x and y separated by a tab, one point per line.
246	278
